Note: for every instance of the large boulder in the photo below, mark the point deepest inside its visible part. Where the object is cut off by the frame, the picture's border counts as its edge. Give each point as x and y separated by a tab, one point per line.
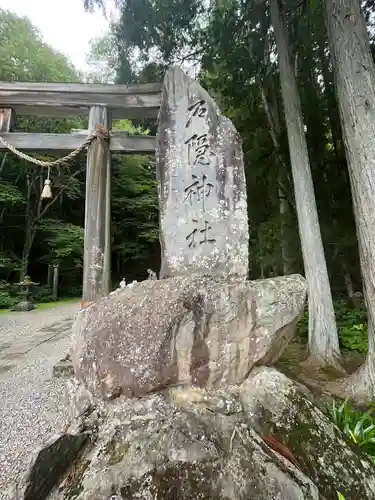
150	449
195	330
262	440
277	406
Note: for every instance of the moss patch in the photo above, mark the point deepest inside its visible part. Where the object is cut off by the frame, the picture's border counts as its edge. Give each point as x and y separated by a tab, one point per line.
320	457
116	450
73	482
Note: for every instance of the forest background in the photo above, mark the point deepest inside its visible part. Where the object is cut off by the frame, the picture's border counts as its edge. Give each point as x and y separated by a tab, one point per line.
229	46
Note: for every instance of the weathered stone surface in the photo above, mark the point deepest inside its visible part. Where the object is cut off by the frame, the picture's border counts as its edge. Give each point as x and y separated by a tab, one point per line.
277	405
190	443
148	449
202	189
24	306
195	330
64	367
47	466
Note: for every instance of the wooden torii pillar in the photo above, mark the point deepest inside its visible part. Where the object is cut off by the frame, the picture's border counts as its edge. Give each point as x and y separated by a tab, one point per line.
102	103
97	251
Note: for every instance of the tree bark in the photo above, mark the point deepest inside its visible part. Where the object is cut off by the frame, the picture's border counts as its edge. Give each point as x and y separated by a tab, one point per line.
29	238
331	101
288	259
355	88
49	275
323	338
55	287
348	281
107	282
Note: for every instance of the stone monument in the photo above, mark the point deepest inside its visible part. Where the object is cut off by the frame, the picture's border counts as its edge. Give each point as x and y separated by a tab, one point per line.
202	188
177	344
202	323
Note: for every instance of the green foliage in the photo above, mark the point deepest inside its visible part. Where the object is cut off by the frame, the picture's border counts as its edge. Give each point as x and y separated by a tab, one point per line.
43	295
354	338
268	244
36	233
340	496
7	299
232	43
24	56
357	426
226	40
103	58
8	261
170	27
10	195
135	209
352	326
65	241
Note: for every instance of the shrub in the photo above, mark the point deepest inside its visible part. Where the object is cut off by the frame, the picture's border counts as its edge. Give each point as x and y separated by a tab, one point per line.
42	295
354	338
359	427
7	299
351	326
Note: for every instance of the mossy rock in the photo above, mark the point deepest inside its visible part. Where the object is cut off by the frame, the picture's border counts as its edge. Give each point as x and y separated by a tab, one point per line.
279	407
149	448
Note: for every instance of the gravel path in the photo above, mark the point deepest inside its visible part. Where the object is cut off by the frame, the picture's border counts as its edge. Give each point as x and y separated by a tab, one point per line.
32	403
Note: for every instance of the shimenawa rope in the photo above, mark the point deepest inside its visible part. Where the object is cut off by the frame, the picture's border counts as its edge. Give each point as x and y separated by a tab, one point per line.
100	132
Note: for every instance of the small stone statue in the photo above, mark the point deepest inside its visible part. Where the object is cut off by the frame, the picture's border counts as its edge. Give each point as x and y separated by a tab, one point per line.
123	283
151	275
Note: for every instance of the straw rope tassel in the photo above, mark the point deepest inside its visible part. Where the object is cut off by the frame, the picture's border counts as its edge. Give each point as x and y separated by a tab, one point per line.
47	191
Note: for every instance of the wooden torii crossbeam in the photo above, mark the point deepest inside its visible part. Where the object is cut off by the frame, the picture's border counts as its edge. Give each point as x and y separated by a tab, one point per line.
101	103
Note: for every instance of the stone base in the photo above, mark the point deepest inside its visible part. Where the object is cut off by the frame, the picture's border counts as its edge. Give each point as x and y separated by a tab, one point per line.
200	330
151	449
24	306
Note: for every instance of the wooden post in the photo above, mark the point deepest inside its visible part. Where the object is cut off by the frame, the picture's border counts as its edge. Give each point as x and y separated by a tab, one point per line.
7	117
55	287
49	275
94	275
107	247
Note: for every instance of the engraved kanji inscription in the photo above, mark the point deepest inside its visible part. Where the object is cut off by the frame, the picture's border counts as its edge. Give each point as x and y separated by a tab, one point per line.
197	109
200	236
200	175
202	149
198	190
205	234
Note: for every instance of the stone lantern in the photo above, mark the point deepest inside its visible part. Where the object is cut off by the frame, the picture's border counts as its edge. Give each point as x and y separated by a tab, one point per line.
25	303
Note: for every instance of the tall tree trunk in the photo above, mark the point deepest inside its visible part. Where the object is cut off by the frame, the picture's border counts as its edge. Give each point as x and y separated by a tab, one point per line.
288	257
28	218
348	281
331	101
289	260
27	246
323	338
355	87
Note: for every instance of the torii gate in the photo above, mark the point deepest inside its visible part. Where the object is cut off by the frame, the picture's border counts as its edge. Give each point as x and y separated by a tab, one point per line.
101	103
